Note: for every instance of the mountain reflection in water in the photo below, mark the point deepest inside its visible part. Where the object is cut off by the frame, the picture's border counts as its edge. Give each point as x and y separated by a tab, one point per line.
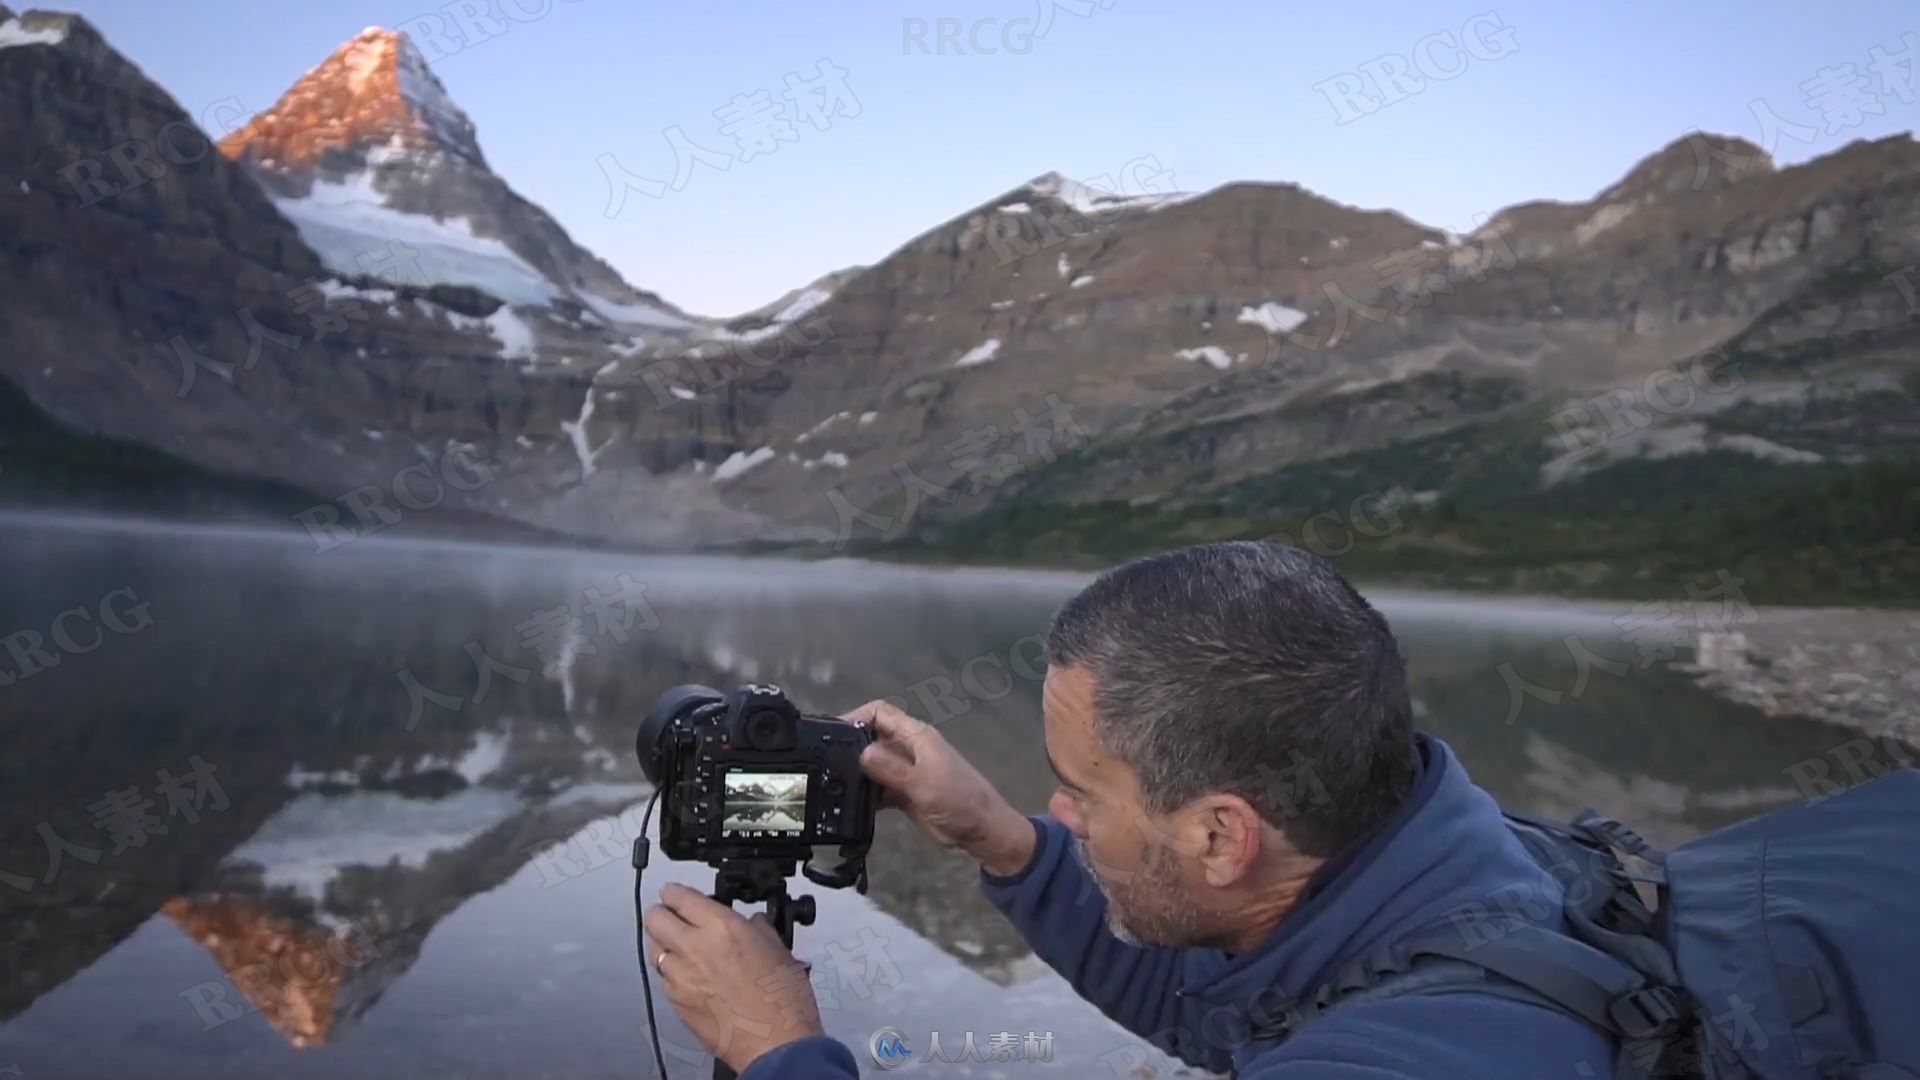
407	848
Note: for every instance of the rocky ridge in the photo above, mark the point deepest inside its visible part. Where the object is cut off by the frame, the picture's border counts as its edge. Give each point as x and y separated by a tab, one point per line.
1059	344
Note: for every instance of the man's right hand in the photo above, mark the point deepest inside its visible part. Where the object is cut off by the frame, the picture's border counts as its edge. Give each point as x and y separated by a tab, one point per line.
946	796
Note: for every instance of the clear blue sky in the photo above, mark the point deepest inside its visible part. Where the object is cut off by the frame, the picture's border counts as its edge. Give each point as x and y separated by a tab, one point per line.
1215	91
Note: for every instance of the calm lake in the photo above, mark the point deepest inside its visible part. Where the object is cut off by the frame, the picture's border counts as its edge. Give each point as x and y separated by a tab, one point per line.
275	811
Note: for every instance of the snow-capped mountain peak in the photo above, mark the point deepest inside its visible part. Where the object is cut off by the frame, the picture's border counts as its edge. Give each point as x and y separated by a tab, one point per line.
368	155
375	87
1134	188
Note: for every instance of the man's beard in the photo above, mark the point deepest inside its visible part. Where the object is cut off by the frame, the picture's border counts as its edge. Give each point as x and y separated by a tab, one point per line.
1150	908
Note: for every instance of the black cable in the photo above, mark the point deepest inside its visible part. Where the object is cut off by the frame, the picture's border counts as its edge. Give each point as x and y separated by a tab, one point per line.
640	931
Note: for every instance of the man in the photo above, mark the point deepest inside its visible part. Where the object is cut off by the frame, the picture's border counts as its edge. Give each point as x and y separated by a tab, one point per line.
1238	772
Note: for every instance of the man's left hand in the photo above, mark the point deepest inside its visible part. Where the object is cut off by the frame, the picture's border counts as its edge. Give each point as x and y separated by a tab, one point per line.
733	982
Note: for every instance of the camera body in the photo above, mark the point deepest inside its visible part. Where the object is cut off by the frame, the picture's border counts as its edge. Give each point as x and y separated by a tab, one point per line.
748	776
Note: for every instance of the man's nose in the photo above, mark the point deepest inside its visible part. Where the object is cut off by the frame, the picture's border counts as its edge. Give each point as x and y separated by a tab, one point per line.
1062	810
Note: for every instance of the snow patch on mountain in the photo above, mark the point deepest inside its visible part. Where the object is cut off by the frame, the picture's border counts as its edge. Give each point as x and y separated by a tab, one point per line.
1657	443
1094	199
339	290
739	462
823	425
640	314
804	303
1603	219
298	778
489	750
979	354
12	34
514	333
1211	354
832	458
1271	317
348	223
577	431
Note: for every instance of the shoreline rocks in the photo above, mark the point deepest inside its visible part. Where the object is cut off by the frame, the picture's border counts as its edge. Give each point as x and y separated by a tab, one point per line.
1849	667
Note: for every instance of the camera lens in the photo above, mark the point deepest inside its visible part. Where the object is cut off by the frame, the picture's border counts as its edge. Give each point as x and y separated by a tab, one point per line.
673	705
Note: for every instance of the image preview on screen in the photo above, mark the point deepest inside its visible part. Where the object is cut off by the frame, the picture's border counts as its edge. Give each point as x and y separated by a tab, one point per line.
764	802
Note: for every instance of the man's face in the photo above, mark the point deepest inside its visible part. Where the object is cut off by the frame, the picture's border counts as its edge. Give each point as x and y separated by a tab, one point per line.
1150	900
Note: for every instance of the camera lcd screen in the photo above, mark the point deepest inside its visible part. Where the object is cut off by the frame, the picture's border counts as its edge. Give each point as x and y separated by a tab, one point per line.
766	804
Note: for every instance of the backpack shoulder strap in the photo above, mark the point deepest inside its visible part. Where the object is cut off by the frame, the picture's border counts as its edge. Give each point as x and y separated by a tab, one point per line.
1514	959
1605	992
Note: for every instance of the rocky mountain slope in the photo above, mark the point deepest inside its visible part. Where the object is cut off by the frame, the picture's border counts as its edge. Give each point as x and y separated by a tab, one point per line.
1259	352
160	297
1065	365
1683	267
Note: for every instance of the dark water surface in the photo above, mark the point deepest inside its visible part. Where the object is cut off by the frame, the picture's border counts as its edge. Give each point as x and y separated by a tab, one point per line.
334	861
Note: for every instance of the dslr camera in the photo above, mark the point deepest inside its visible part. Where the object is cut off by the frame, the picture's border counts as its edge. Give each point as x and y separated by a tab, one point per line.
747	777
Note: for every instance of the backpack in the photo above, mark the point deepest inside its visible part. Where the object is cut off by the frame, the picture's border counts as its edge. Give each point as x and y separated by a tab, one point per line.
1784	947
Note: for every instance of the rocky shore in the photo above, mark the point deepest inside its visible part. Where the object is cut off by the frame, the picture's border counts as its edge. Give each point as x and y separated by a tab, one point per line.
1847	666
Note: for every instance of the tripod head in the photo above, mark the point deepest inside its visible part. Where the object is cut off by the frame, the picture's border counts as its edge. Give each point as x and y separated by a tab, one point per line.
753	881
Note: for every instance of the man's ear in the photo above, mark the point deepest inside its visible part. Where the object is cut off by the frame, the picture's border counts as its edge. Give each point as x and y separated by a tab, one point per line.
1234	835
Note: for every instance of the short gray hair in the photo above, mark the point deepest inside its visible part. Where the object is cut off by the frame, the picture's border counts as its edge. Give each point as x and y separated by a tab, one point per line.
1250	668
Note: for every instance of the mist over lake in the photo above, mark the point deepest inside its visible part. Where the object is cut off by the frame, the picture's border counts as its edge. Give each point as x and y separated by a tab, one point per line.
406	849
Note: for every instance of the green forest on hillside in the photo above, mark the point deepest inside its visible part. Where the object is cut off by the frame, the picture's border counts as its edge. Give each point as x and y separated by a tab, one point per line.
1800	534
44	463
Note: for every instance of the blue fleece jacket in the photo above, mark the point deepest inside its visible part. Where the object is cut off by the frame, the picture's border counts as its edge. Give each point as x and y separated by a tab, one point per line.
1443	851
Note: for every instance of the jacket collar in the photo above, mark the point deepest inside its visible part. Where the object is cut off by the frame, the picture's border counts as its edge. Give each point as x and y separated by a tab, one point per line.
1437	850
